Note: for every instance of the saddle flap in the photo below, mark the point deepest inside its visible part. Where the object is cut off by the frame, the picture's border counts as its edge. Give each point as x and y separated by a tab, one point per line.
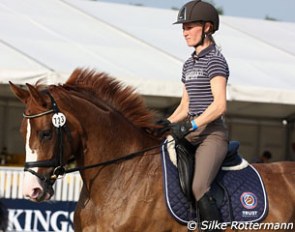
185	165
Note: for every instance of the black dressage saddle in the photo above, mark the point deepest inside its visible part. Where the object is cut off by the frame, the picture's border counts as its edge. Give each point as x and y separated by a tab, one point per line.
185	162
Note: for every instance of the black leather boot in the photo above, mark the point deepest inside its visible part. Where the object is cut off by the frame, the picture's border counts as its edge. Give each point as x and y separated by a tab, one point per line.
209	212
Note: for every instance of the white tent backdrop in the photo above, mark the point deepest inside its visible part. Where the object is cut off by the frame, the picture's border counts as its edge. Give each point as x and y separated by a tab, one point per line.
48	39
140	46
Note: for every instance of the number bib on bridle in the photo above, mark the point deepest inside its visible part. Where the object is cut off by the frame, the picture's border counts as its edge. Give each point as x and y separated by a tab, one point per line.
58	119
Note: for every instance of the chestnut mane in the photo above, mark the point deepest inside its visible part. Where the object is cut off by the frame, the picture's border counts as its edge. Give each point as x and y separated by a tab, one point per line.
112	92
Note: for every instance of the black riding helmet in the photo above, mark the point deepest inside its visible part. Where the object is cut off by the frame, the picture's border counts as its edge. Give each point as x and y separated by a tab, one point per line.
198	11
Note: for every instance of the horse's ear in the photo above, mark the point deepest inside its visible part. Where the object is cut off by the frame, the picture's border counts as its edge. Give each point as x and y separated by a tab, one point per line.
36	96
20	93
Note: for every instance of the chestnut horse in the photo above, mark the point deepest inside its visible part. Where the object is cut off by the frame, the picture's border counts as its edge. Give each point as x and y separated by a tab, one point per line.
96	120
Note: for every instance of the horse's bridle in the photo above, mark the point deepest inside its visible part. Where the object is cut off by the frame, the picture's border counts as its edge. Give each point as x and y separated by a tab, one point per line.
56	162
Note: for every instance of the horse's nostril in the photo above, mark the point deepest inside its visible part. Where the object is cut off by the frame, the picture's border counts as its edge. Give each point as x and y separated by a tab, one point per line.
36	193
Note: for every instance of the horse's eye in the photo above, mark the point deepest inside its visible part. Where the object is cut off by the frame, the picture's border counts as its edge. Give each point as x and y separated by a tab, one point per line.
45	135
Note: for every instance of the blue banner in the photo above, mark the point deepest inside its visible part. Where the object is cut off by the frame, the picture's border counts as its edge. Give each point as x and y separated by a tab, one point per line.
25	215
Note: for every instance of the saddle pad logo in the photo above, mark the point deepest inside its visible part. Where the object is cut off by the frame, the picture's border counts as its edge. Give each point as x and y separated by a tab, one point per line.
248	200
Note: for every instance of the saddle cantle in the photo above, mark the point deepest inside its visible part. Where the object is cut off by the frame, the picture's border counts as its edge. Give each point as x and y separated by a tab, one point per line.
232	157
238	188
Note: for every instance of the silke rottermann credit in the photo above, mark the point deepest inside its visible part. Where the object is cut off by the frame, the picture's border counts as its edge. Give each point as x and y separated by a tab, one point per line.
209	225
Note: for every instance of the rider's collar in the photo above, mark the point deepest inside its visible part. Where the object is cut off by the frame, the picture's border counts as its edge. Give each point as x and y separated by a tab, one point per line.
204	52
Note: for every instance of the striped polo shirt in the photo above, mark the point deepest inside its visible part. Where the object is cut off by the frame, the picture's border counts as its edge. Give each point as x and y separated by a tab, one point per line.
197	72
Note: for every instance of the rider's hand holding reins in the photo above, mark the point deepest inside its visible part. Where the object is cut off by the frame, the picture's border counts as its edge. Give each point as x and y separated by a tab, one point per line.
181	129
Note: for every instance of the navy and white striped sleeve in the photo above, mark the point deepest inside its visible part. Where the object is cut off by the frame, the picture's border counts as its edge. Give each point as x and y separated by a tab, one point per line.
217	66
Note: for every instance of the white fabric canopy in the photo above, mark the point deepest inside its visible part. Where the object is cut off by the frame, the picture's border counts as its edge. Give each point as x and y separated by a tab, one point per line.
139	45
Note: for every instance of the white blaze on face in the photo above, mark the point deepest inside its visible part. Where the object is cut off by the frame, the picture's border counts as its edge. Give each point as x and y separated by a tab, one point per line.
31	182
31	155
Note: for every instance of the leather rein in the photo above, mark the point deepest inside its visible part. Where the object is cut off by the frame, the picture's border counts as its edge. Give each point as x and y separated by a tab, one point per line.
57	162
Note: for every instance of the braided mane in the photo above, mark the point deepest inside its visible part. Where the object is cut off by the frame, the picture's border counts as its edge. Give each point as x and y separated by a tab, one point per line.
122	98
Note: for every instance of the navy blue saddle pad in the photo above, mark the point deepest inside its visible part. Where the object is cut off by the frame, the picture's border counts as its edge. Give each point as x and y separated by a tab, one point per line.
245	199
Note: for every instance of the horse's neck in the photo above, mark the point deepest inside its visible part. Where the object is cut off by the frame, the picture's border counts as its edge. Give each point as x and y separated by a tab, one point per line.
105	135
111	137
125	177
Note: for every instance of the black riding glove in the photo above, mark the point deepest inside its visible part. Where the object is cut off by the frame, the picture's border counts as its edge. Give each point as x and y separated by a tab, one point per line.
164	124
181	129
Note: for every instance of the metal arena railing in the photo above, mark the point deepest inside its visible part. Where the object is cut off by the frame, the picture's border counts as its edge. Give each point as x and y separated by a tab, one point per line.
11	185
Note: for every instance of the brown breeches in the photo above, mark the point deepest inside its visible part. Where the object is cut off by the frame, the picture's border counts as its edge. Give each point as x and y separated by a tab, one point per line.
212	145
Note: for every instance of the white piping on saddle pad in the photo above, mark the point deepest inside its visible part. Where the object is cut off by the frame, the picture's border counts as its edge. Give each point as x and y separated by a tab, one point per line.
173	157
240	166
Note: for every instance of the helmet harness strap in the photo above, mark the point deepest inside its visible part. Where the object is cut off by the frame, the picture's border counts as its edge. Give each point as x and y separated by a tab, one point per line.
203	36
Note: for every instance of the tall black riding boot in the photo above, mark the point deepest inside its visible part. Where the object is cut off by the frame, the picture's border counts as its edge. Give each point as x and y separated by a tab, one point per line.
209	212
